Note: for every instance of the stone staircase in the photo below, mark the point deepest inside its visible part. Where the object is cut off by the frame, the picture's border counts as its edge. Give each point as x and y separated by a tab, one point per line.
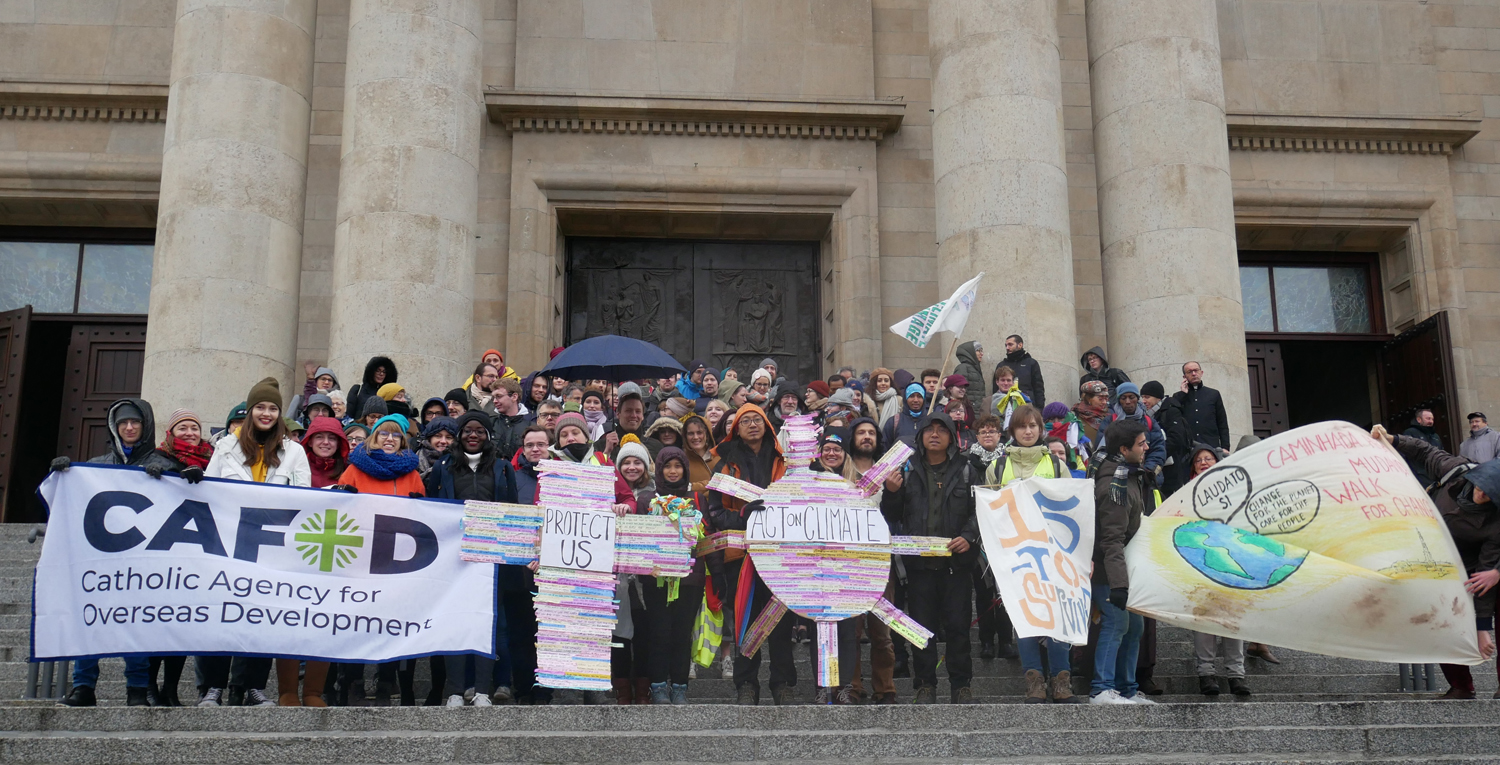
1310	708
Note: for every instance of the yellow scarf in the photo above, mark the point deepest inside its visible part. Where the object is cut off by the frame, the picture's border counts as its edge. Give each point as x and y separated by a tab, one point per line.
1007	404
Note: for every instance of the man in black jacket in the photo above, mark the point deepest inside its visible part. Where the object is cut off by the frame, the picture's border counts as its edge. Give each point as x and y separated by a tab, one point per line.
510	419
970	366
1422	430
1203	407
1169	416
934	497
1028	371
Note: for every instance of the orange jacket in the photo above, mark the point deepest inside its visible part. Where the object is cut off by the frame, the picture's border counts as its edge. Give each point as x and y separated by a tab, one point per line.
401	487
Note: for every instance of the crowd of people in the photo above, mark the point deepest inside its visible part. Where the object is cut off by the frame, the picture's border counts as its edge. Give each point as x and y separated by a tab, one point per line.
485	439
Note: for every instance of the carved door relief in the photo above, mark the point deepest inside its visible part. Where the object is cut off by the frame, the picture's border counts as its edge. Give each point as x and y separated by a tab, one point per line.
728	303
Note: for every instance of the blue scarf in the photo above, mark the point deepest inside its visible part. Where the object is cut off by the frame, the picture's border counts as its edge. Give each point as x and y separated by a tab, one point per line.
379	465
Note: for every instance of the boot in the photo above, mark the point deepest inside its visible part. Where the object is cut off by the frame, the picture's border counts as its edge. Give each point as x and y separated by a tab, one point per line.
623	695
748	695
1062	689
661	693
643	690
1208	685
313	680
80	696
1238	687
286	683
135	697
1261	651
1036	687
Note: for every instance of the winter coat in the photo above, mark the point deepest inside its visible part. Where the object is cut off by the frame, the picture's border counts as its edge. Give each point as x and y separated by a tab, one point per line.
1028	376
738	460
1427	435
1115	523
1156	440
143	454
968	366
299	401
902	427
1475	528
1481	447
1204	409
329	477
907	511
1106	374
527	478
1179	444
510	429
229	462
401	486
652	445
368	387
493	481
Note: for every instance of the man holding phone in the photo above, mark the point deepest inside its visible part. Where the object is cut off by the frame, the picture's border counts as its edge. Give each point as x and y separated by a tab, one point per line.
1203	407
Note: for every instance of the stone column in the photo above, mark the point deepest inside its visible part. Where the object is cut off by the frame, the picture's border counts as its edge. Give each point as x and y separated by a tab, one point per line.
403	252
1001	174
228	261
1166	204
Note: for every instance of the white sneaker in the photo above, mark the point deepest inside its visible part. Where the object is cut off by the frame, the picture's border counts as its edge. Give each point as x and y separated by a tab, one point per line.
257	698
1110	696
483	700
213	697
455	701
1140	699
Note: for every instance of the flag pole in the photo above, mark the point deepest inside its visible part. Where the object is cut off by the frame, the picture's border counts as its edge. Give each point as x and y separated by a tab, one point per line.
952	346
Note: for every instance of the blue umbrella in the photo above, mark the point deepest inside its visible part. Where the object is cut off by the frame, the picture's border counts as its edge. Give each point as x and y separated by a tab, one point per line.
613	358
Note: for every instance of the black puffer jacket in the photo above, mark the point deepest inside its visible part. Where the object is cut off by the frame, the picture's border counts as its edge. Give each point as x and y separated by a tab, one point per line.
1106	374
368	387
1028	377
968	366
907	511
143	454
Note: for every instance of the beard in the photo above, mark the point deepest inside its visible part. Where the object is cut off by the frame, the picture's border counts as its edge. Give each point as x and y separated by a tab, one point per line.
858	450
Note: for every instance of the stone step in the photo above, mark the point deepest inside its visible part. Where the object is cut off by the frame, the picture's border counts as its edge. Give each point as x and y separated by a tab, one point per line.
1367	731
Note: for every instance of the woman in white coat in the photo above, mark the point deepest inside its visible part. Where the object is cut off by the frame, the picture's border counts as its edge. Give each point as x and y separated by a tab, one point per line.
264	452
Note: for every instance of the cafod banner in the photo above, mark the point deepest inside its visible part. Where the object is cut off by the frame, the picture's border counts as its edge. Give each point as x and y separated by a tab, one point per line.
1039	536
1319	539
136	565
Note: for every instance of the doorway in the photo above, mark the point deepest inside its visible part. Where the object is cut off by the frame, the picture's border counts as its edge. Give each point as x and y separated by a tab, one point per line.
730	304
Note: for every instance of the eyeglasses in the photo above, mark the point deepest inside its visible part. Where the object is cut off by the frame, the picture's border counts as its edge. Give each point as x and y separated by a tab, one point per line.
386	435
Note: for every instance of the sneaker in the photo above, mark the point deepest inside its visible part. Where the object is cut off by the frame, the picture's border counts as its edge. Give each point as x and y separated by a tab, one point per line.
1110	696
1140	700
845	696
661	693
925	695
503	695
454	701
212	697
783	696
483	700
962	695
823	697
255	697
679	694
80	696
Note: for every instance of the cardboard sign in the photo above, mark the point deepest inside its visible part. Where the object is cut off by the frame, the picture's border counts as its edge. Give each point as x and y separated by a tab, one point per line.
828	524
579	538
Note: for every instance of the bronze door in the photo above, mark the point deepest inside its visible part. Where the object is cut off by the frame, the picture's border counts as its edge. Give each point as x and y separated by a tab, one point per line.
726	303
1416	372
104	365
1268	403
13	330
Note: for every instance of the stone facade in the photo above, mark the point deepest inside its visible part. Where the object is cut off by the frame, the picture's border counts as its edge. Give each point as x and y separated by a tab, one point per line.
1102	159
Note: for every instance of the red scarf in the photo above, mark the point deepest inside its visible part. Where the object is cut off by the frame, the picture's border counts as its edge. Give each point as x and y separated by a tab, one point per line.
325	470
190	455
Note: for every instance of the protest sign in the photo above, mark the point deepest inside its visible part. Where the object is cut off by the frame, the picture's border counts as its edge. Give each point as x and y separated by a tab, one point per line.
827	523
1039	536
135	565
1318	539
579	538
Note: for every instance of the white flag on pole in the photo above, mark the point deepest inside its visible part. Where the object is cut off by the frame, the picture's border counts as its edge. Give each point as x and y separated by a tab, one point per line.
948	316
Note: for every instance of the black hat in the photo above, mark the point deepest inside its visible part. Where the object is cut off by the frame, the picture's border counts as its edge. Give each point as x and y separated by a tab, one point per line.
459	395
1153	389
475	415
1480	415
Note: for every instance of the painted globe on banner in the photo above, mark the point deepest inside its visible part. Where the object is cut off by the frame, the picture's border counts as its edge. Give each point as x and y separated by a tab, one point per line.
1235	557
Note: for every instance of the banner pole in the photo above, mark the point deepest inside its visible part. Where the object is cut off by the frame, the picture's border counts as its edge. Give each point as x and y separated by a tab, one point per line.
943	367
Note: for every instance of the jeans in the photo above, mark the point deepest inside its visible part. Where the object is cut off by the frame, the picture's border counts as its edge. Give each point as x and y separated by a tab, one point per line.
1119	647
1030	649
86	672
942	598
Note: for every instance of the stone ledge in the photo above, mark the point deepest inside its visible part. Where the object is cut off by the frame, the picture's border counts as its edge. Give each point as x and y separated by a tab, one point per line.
553	112
1349	134
83	101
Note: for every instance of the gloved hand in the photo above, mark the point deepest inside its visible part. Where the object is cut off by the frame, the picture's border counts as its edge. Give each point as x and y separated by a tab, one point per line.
60	464
1119	596
416	495
345	487
192	474
154	471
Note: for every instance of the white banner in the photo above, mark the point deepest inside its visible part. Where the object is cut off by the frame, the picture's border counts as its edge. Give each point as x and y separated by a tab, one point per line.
830	524
1039	537
135	565
948	316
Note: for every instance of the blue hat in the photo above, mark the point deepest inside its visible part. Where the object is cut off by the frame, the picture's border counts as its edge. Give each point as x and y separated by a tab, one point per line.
1128	387
400	421
915	388
439	424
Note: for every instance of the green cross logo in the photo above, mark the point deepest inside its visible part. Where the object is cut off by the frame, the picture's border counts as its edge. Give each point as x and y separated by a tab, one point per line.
327	539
